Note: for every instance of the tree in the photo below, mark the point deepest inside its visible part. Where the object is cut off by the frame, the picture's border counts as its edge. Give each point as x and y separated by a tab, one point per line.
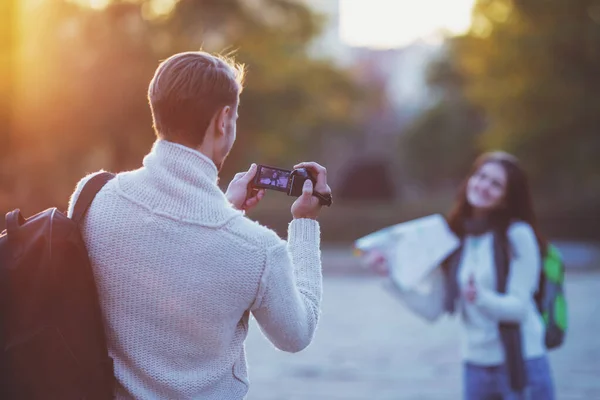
89	99
8	17
440	145
532	66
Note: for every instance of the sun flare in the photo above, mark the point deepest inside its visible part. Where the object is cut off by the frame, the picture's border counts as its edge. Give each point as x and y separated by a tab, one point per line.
395	23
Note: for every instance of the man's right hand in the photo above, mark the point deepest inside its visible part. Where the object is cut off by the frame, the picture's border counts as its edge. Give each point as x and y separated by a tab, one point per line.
307	205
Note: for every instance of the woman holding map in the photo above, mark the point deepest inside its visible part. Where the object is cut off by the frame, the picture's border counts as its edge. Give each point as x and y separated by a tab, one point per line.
490	281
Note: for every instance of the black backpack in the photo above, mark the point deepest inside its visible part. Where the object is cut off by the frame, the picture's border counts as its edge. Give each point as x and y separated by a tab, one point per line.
51	328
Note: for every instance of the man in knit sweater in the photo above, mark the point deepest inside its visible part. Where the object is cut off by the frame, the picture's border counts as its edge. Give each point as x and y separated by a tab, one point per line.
179	268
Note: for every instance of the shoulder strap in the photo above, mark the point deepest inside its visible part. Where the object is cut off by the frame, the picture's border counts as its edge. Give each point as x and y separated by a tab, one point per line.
89	191
501	259
14	219
510	332
450	268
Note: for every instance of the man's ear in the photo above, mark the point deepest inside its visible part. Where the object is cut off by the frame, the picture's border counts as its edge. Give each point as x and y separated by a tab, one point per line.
221	119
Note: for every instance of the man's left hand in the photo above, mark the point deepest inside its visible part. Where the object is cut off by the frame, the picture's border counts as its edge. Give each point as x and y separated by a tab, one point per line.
237	191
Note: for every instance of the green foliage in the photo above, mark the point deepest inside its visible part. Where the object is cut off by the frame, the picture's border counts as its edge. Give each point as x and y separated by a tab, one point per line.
7	51
87	71
530	70
8	19
533	67
439	146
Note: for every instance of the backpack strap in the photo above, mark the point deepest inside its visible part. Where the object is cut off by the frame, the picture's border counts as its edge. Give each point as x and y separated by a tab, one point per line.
510	332
89	191
14	219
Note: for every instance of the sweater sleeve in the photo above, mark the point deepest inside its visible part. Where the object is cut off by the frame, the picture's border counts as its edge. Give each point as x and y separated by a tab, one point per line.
523	278
288	308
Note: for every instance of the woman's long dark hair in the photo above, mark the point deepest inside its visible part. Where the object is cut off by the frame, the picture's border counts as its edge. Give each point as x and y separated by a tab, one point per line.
517	206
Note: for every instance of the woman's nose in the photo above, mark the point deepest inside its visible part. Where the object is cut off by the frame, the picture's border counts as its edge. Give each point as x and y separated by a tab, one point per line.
483	186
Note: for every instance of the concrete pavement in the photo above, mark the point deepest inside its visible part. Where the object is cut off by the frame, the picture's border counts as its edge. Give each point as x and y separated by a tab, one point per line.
368	346
338	259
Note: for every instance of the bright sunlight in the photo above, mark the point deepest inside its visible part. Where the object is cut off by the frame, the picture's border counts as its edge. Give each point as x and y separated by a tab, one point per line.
395	23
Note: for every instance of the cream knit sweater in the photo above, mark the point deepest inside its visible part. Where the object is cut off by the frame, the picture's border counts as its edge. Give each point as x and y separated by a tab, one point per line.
179	271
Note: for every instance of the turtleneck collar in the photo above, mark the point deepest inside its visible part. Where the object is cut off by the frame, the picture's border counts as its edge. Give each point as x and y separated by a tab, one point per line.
178	182
186	162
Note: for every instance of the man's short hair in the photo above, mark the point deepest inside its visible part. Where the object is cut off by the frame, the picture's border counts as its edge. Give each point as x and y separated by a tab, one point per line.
188	89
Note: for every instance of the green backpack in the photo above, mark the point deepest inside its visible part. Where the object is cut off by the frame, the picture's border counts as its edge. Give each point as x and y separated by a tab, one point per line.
550	298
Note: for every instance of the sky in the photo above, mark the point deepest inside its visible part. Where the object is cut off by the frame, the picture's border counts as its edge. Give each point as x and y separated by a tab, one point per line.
379	23
396	23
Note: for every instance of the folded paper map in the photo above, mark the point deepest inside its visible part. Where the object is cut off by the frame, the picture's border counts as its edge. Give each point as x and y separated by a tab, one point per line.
412	249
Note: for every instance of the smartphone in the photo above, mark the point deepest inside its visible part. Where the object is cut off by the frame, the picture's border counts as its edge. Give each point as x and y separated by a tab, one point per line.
272	178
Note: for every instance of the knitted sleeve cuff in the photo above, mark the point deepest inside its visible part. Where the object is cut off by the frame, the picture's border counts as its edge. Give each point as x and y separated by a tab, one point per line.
306	230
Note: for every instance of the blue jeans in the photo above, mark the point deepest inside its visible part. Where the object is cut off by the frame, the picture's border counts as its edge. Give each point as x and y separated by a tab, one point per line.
491	383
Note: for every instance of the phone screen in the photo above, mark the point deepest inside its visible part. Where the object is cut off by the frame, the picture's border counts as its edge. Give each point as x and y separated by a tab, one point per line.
272	178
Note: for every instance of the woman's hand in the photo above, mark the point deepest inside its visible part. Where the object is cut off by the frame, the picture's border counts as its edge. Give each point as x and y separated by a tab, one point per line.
470	292
377	262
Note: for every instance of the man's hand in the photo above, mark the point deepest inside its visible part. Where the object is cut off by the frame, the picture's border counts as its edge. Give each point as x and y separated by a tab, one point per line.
307	205
237	191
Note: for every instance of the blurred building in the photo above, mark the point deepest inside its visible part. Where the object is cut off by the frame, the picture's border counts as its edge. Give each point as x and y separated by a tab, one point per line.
403	69
329	44
400	73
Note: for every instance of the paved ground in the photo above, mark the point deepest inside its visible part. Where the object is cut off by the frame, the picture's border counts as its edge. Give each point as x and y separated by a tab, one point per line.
368	346
580	256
